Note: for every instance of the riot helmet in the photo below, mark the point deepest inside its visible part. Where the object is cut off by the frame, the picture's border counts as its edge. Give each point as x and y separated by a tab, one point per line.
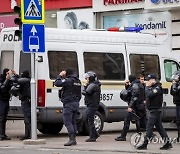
91	75
176	75
14	90
124	94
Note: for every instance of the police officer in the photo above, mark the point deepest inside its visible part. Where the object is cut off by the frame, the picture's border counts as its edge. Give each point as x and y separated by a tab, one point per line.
135	105
142	113
5	86
154	99
25	97
92	93
175	91
70	97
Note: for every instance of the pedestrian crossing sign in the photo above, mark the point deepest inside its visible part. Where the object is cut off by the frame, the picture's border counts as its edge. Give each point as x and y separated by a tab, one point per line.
32	11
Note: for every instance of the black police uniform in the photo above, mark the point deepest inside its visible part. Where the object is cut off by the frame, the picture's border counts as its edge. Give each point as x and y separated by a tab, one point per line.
175	91
71	95
25	97
5	86
154	99
136	102
92	98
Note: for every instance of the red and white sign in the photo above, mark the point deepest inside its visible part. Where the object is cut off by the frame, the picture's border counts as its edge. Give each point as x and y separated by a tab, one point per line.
7	21
6	6
116	5
118	2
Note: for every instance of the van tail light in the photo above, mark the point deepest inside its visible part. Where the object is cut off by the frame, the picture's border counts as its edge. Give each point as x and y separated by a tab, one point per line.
41	93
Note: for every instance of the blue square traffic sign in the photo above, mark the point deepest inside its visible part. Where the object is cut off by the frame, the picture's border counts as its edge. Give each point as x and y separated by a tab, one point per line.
33	38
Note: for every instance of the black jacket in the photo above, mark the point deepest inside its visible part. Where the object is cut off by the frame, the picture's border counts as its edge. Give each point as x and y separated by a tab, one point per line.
5	86
92	94
154	96
71	88
175	91
137	93
25	88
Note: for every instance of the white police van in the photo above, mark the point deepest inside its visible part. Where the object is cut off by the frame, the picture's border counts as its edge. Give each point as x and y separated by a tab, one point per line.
112	55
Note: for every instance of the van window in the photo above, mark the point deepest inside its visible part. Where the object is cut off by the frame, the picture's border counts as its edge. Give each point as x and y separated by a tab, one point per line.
170	67
145	64
7	60
108	66
25	62
61	60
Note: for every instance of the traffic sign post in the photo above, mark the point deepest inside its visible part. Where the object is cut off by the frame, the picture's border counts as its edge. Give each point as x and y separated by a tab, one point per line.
33	40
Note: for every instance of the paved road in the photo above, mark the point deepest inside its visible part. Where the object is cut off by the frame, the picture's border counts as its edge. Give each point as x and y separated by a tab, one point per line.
54	143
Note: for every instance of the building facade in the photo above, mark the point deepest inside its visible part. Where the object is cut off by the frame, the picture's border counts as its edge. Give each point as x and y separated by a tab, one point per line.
160	18
51	7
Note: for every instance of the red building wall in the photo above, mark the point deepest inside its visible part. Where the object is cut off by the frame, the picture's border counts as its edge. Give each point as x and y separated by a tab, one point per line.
5	5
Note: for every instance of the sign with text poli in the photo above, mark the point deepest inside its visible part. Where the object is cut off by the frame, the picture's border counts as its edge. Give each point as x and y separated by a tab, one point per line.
32	11
33	38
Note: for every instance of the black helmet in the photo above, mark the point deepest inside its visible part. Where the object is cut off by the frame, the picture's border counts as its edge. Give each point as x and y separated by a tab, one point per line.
91	75
124	95
14	91
176	75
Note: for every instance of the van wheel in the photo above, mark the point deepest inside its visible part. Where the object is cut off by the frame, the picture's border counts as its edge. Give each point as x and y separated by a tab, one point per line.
98	122
50	128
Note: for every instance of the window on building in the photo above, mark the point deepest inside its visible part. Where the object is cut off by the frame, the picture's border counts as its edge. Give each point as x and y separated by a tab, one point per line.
170	67
145	64
7	60
62	60
107	66
25	62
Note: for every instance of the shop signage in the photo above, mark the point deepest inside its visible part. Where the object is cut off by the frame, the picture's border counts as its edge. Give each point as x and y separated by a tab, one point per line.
162	4
164	1
116	2
116	5
157	24
6	6
7	21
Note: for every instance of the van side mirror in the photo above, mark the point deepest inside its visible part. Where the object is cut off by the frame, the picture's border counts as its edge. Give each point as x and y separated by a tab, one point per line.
165	90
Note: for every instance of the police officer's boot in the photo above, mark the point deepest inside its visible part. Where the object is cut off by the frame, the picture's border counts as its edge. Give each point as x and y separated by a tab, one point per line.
3	136
72	140
178	129
143	146
27	132
92	135
122	137
1	132
166	146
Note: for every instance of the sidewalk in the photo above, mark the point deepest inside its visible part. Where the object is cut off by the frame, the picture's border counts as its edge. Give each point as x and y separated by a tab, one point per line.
105	143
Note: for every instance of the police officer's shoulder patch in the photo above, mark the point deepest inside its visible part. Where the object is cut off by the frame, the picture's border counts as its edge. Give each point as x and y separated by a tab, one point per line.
155	90
63	80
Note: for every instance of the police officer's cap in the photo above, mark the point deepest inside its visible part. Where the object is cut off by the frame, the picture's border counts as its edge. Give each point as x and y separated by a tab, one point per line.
151	76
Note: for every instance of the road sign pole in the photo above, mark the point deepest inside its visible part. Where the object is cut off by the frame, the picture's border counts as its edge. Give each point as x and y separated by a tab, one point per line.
33	100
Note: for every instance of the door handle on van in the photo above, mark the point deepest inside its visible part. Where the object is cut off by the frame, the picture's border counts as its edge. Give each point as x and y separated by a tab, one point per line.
49	90
165	90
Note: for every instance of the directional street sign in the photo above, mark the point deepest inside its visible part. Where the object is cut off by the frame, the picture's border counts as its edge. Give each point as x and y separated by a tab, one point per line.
33	38
32	11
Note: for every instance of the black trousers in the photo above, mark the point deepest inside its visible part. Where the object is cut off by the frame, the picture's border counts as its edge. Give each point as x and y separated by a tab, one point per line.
26	109
90	117
129	117
154	119
4	108
70	111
